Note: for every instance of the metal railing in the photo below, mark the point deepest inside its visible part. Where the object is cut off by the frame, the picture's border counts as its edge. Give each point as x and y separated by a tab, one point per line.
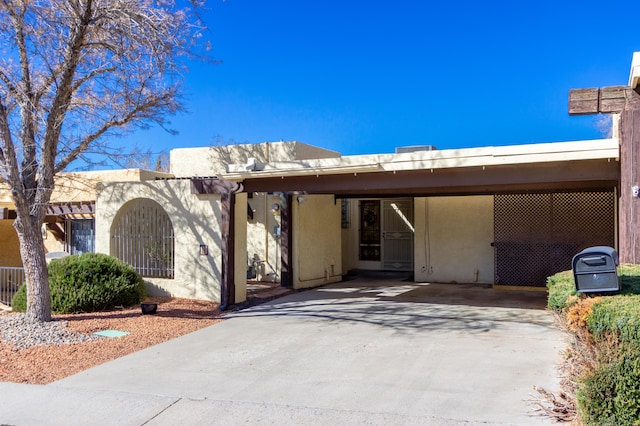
10	280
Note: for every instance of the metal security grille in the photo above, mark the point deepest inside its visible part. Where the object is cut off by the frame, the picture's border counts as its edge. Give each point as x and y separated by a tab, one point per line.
10	280
536	235
397	235
370	230
142	236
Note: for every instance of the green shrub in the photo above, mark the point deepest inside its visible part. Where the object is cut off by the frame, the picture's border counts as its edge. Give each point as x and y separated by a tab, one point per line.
619	315
561	289
629	278
19	300
611	394
91	282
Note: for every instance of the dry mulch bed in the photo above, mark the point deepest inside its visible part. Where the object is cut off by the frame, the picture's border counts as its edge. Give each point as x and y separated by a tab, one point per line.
48	363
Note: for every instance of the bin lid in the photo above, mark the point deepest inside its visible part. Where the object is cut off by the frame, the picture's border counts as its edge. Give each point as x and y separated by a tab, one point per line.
601	250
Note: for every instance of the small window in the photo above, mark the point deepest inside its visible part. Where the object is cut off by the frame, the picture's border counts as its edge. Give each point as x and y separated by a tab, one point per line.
370	230
346	219
81	236
142	236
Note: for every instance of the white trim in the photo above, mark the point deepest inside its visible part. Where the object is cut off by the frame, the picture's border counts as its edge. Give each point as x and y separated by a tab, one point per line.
444	159
634	75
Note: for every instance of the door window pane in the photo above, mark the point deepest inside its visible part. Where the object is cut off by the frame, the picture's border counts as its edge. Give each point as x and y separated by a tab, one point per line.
370	230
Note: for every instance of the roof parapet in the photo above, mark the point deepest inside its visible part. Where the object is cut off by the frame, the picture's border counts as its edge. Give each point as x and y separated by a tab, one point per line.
634	75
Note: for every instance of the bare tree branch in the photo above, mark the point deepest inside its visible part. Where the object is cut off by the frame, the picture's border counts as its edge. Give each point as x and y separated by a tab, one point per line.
72	73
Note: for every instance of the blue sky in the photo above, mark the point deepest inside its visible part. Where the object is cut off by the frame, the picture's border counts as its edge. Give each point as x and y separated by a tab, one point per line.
367	76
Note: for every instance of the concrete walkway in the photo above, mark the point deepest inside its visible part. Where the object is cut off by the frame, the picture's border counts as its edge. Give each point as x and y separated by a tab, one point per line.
359	352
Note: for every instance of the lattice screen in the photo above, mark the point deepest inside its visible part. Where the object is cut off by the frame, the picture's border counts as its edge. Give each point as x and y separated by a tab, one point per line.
536	235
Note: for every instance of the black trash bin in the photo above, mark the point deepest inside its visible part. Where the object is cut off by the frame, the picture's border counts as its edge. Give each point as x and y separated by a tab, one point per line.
595	270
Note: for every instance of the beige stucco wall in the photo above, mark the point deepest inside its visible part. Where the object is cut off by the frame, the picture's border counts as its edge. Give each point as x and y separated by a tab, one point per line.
317	257
213	161
9	245
82	186
261	242
349	237
195	219
347	248
453	239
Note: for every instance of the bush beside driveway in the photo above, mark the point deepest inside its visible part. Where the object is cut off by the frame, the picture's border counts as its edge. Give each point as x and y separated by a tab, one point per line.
604	361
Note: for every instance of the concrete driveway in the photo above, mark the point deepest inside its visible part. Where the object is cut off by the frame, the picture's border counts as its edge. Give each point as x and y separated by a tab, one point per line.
358	352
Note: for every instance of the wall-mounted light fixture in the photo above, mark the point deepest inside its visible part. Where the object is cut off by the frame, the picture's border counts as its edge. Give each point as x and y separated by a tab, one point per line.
204	250
301	199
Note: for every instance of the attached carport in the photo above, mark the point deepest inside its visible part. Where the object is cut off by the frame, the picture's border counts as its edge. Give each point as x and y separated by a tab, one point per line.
571	169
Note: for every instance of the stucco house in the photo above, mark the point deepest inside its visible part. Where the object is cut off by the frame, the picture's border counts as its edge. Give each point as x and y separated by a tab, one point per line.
304	216
69	225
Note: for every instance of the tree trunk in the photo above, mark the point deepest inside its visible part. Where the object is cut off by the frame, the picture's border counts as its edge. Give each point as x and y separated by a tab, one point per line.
35	269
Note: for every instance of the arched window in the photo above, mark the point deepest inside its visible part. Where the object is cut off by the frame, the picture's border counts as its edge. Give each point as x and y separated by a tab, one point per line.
142	236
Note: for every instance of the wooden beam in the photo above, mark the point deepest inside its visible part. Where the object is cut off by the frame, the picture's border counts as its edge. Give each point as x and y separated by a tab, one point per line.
572	175
605	100
7	214
63	209
583	101
227	190
214	186
628	204
57	231
613	99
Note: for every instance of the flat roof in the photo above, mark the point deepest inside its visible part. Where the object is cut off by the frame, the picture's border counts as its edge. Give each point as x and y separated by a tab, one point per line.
440	159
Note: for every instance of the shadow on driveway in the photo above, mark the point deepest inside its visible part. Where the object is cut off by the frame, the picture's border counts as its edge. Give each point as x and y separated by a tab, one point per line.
405	306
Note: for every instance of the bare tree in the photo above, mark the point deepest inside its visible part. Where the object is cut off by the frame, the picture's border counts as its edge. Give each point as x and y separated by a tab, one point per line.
143	158
72	73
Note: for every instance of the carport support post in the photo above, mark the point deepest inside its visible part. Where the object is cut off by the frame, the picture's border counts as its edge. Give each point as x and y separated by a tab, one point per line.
228	286
227	190
286	243
629	205
626	101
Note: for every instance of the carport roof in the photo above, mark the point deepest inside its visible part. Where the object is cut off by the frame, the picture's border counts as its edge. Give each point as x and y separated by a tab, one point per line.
551	166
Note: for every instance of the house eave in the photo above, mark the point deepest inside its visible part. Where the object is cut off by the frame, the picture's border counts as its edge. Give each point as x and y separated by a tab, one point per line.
607	149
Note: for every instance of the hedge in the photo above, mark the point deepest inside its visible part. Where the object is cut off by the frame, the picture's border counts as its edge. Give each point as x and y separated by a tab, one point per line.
87	283
610	394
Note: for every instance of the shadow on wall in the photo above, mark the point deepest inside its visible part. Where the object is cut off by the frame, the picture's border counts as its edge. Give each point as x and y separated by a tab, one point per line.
194	220
155	290
222	154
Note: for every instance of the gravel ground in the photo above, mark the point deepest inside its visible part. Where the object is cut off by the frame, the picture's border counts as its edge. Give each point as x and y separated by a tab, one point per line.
42	353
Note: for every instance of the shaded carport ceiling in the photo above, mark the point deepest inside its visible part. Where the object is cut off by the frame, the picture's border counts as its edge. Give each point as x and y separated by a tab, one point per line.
550	176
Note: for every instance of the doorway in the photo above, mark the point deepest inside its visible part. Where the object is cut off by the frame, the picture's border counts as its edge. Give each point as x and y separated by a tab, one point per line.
385	235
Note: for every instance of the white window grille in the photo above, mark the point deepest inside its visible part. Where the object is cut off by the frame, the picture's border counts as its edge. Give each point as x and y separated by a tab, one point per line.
142	235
